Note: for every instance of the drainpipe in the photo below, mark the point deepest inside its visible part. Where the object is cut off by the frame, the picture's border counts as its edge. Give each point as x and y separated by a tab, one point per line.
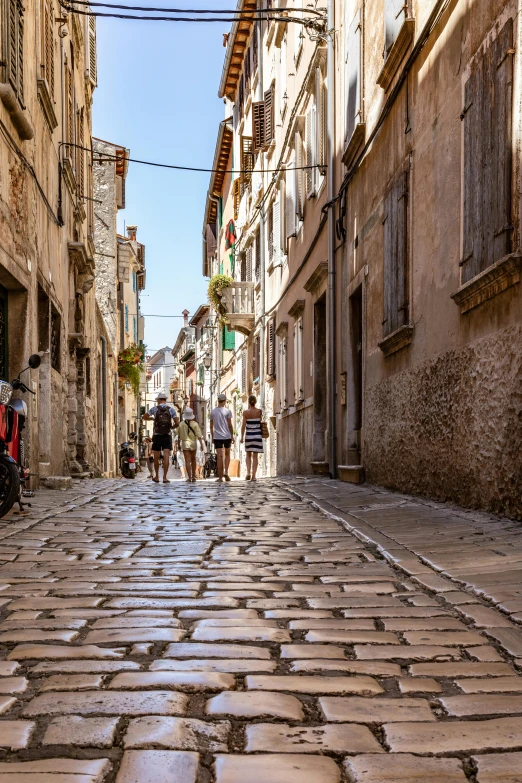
260	93
104	400
331	327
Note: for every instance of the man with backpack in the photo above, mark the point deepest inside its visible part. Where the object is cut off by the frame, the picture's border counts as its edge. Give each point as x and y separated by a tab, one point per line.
165	418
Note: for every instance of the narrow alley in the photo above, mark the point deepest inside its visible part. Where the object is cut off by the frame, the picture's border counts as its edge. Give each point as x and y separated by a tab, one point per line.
198	633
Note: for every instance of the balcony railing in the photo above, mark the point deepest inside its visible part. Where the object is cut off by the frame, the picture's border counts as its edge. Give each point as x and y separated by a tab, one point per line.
238	300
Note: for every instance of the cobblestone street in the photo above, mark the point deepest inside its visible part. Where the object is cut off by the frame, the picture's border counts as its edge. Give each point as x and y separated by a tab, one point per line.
237	634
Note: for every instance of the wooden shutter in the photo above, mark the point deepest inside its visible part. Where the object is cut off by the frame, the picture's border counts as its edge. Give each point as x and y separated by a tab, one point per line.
47	43
353	76
271	234
80	155
258	255
14	46
309	151
247	70
269	116
237	196
270	358
254	50
276	231
394	17
249	263
92	63
290	206
228	339
247	161
487	117
69	110
258	120
396	294
255	358
244	370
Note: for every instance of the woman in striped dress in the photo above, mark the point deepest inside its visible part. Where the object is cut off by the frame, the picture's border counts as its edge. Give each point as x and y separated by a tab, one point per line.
253	440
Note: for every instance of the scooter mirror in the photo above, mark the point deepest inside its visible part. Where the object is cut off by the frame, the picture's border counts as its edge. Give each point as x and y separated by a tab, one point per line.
34	361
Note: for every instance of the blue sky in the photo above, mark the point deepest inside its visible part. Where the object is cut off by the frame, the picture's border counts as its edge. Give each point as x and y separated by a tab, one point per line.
157	95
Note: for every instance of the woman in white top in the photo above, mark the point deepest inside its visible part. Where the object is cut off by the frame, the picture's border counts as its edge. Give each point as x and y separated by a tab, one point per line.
189	434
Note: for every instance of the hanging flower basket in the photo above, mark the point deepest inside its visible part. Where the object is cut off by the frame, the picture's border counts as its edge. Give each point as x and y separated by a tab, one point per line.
131	365
216	288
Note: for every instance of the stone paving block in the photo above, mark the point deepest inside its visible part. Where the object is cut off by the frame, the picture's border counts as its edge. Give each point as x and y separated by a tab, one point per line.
455	737
234	666
396	611
81	732
482	704
178	734
158	766
379	710
353	602
41	604
334	738
375	668
170	603
335	623
108	703
75	667
245	634
419	685
6	702
202	614
352	637
72	682
255	704
300	614
129	635
484	653
418	652
312	651
499	768
460	669
303	684
451	638
510	639
136	622
496	685
13	684
276	768
191	682
47	770
16	734
200	650
484	617
7	668
33	635
403	768
424	624
45	651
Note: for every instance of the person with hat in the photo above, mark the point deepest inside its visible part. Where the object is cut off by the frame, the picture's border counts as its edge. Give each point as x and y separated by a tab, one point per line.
165	418
222	433
189	434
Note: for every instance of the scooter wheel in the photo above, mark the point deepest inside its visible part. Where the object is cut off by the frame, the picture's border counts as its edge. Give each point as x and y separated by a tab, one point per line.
9	485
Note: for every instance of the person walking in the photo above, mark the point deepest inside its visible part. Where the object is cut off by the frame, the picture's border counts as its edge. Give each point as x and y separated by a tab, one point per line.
164	418
148	456
253	441
189	434
222	433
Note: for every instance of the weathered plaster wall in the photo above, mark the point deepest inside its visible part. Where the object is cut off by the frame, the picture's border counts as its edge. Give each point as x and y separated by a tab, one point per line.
294	442
451	428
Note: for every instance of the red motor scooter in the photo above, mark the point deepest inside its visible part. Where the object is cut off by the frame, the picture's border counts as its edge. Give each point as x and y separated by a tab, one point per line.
13	413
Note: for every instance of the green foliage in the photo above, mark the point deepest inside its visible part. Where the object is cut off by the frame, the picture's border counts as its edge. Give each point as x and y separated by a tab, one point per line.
216	287
131	365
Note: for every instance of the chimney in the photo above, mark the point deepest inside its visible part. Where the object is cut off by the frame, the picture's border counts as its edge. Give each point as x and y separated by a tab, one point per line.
131	232
185	315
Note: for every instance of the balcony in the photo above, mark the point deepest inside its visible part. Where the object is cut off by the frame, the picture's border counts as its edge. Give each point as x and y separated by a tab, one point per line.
238	301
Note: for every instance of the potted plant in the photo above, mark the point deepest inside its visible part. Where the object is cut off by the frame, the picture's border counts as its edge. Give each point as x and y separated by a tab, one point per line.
131	365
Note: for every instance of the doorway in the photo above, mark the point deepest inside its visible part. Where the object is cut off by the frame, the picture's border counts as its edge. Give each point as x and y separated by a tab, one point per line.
355	377
320	382
4	368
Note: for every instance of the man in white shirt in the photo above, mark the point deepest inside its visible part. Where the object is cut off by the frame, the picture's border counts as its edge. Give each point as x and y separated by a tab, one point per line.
222	434
164	418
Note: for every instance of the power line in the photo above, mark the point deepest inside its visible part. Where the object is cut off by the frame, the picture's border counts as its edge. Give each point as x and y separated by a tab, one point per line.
234	11
106	157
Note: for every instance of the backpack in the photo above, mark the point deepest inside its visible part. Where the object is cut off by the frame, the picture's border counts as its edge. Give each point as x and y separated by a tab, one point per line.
162	421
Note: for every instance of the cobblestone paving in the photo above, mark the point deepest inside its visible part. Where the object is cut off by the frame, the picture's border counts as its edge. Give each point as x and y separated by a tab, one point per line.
236	634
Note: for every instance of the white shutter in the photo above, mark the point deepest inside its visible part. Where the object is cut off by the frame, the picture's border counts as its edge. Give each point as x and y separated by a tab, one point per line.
309	144
296	388
352	76
290	199
320	122
92	69
276	232
299	178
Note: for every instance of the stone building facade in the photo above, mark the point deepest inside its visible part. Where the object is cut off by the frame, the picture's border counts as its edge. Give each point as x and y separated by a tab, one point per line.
47	79
371	227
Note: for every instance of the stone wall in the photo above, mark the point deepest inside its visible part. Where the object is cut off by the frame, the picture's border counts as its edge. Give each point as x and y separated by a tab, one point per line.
294	442
105	234
450	428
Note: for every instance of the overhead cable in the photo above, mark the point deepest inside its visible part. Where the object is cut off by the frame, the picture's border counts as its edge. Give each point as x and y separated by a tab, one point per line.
234	11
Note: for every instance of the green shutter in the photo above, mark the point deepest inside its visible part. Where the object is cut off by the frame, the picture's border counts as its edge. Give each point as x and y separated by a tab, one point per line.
221	267
228	340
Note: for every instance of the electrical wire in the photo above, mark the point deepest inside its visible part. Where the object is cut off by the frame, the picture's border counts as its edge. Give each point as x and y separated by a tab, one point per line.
106	157
235	11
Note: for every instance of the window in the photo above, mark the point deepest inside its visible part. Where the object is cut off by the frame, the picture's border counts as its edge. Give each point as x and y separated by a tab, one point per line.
283	404
228	339
92	69
352	75
127	318
80	154
270	349
258	256
396	294
134	329
69	110
244	371
487	118
88	376
55	348
12	57
394	18
256	358
263	120
134	281
310	150
236	188
274	232
290	204
247	161
249	252
298	359
299	183
190	387
47	43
